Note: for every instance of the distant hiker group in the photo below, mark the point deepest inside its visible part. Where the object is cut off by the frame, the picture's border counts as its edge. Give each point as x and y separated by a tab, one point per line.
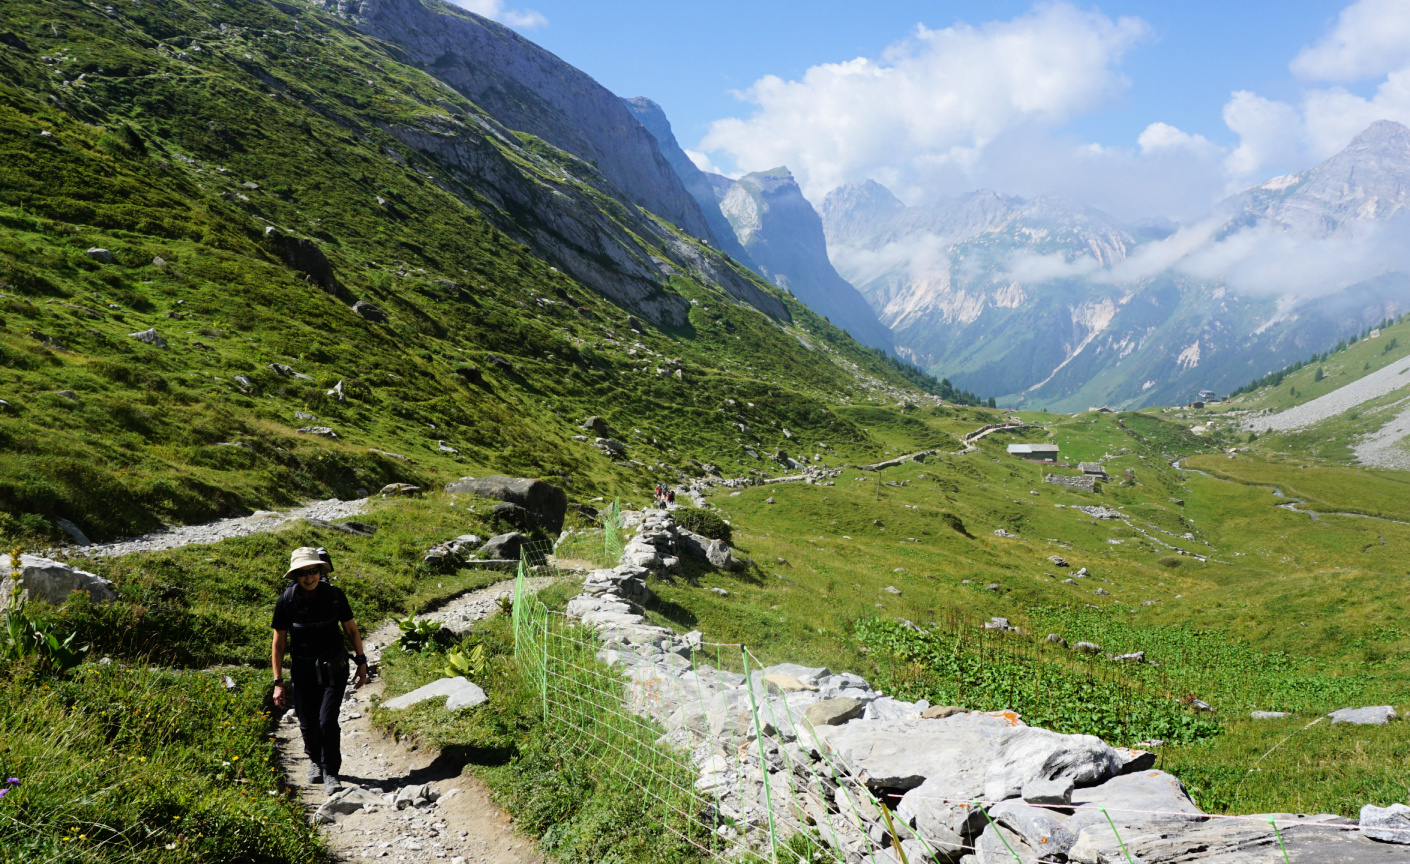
664	496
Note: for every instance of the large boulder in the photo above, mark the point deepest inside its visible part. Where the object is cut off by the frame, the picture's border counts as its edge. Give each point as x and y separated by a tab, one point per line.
1140	800
720	555
53	581
598	426
1378	715
1387	824
503	547
459	693
546	502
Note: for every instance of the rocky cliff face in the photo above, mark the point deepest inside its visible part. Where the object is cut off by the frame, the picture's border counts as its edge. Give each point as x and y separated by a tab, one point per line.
784	236
654	120
528	89
1368	181
1018	297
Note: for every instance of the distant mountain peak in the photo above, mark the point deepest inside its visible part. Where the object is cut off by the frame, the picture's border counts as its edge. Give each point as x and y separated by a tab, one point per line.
1379	132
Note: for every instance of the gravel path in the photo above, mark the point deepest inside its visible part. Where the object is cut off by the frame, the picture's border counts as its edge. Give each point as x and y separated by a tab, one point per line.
222	529
1379	449
1342	399
457	615
462	827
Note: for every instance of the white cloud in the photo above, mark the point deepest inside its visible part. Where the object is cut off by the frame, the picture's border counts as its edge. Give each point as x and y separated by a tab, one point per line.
1370	39
523	18
1262	260
1162	137
933	103
702	161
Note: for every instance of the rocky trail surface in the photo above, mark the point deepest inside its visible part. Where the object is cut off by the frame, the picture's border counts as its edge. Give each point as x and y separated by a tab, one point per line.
455	822
223	529
399	803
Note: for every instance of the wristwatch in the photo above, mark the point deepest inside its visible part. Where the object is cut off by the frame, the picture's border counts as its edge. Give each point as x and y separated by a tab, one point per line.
279	682
360	659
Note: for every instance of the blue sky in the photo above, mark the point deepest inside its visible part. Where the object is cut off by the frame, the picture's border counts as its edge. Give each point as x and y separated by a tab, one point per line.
689	57
1142	108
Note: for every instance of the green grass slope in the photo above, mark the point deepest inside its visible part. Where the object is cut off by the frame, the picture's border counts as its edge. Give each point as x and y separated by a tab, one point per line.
248	149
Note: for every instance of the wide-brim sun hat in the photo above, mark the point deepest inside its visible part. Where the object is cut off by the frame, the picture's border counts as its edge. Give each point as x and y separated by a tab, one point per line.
305	556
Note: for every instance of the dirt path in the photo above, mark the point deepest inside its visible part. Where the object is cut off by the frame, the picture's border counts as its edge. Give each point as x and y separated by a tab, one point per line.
462	826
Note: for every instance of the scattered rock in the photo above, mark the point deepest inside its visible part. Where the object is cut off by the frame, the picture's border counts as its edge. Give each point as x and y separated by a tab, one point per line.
321	431
1378	715
1055	639
892	589
53	581
150	336
1268	715
720	591
75	534
159	262
1102	592
504	547
992	586
788	684
350	800
611	446
598	426
1387	824
999	532
940	712
369	312
1058	561
459	693
1133	657
392	490
1087	648
834	712
102	256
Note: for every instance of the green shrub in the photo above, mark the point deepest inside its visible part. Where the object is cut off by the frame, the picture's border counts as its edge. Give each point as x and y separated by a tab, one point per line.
706	523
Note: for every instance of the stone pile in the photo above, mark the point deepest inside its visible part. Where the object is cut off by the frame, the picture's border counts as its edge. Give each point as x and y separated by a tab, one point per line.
820	749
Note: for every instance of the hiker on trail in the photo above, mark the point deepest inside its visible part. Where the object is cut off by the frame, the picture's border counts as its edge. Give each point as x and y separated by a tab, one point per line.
311	618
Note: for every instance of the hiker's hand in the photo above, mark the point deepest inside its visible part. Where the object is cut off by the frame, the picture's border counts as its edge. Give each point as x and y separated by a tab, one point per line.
360	678
279	700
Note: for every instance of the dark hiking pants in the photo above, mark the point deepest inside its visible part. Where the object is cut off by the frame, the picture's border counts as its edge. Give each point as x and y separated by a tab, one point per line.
317	699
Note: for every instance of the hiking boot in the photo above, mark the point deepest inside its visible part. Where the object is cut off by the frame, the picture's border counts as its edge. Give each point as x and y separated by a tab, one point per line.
331	784
315	774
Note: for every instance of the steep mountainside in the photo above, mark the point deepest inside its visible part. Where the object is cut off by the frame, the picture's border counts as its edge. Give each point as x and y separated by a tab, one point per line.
528	89
650	115
1369	181
228	180
1052	304
784	237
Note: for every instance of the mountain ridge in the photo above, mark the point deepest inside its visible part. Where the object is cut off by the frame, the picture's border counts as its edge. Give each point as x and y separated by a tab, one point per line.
979	286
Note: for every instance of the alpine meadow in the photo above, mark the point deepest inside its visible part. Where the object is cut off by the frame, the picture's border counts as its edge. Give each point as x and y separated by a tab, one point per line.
681	518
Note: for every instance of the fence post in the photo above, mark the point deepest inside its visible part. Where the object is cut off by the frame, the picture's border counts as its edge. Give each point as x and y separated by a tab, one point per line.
763	761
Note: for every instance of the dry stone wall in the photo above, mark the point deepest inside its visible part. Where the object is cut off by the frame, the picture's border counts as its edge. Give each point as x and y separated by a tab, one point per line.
819	751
